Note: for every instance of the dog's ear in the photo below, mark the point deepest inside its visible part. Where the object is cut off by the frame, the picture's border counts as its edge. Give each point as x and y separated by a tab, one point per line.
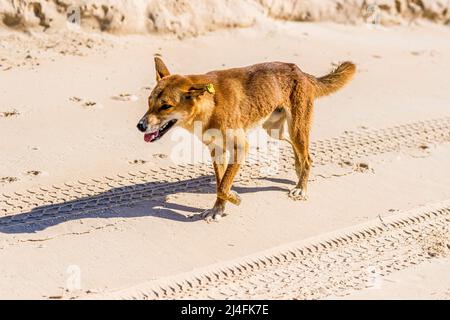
161	69
197	90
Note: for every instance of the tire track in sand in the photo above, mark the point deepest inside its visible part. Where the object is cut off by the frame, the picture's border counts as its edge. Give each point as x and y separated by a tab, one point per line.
95	195
333	264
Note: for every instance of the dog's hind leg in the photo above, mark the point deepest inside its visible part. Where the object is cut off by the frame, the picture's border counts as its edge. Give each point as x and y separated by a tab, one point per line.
299	123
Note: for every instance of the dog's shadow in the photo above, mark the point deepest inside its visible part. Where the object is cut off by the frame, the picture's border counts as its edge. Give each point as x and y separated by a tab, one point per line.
101	206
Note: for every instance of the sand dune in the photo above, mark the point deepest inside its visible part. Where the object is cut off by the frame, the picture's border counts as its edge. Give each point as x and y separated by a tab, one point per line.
194	17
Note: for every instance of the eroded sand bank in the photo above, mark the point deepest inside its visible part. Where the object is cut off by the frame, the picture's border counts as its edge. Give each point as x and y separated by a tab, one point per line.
194	17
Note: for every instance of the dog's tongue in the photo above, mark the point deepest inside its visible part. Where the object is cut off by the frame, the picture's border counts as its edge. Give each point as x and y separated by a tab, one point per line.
149	137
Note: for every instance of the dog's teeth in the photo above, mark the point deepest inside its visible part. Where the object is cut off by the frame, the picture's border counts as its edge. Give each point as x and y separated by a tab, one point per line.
165	125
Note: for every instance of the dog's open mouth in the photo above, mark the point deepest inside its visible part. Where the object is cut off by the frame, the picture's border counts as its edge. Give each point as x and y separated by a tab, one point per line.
155	135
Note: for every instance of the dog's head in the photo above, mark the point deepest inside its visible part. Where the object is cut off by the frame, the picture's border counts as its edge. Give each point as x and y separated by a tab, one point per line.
172	102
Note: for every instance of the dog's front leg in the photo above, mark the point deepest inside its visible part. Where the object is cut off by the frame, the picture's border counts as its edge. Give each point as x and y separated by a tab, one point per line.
220	162
224	192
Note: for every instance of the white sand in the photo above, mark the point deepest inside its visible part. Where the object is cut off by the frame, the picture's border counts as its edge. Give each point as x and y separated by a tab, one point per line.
426	281
402	77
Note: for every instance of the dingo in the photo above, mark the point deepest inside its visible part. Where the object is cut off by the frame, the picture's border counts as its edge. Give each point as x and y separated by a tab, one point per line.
236	100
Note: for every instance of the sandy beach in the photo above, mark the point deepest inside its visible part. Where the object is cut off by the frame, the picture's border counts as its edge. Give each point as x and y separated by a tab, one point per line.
84	197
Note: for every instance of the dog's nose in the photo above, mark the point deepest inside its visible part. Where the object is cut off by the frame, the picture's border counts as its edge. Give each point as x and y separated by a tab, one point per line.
142	126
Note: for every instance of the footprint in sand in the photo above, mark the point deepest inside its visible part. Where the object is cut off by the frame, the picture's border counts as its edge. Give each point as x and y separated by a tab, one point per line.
8	114
357	167
126	97
85	103
347	163
421	151
75	99
89	104
417	53
160	156
8	179
362	167
137	161
33	173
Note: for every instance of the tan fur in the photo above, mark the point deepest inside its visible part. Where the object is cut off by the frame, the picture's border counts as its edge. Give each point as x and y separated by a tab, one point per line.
275	92
333	81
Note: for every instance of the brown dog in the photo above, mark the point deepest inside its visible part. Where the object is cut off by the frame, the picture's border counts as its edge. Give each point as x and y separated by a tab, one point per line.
229	103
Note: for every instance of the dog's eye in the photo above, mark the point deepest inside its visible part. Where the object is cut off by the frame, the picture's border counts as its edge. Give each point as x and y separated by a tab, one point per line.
165	107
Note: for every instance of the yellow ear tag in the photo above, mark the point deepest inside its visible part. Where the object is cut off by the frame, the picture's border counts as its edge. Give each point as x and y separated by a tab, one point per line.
210	88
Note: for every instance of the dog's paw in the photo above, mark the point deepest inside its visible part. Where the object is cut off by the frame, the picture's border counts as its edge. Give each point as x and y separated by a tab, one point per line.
234	198
231	196
212	215
298	194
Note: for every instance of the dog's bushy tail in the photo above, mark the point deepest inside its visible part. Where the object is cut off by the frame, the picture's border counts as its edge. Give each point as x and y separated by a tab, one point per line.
335	80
